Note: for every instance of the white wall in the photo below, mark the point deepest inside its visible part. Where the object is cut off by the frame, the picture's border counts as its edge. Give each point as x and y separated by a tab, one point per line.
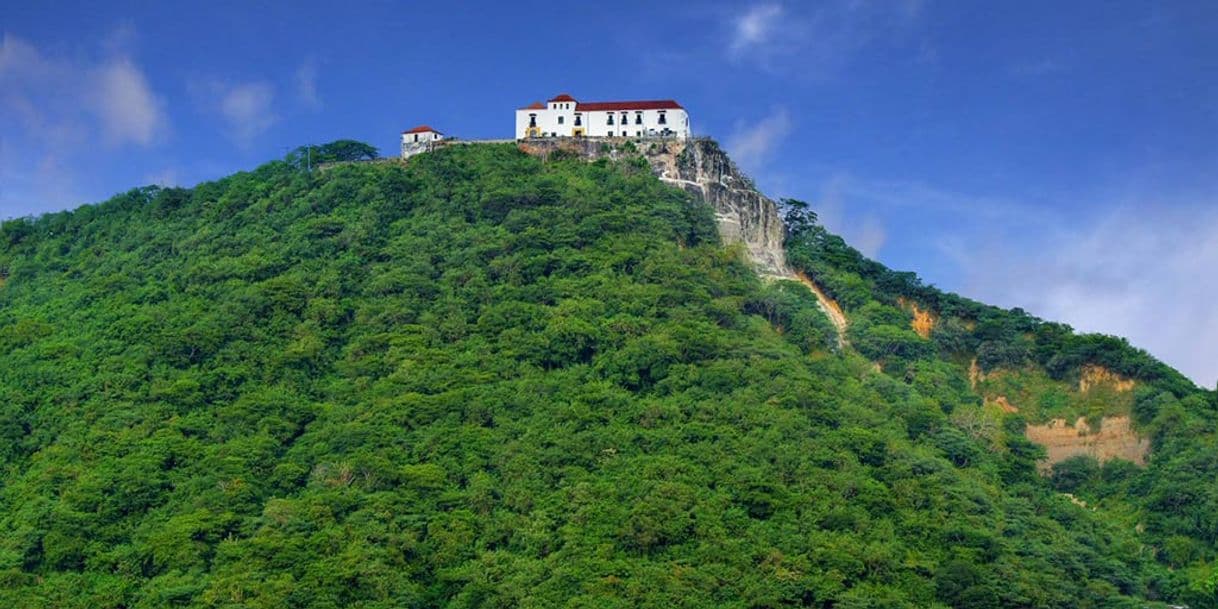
595	123
547	120
676	121
426	136
414	143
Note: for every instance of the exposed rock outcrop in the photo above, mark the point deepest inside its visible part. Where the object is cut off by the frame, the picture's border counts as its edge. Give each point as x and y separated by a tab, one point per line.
831	309
1115	439
1002	402
744	215
923	319
1093	376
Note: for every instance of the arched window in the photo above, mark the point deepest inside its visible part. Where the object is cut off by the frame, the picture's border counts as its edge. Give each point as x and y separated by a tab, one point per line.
610	120
560	120
638	118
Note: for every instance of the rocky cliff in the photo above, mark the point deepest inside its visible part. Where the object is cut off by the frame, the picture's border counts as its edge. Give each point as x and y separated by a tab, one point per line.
744	215
704	170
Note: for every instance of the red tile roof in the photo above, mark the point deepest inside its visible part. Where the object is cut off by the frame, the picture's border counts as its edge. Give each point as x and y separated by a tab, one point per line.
563	97
535	106
657	104
421	129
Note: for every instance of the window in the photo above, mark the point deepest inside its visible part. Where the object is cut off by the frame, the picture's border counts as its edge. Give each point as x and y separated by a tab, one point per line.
532	120
610	134
560	120
638	118
663	119
579	121
625	119
610	122
416	137
638	134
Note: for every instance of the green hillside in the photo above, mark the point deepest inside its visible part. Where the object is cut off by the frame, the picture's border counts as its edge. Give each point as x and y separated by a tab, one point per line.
481	380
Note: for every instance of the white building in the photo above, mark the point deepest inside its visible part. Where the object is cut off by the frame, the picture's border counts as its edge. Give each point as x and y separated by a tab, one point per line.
564	116
419	139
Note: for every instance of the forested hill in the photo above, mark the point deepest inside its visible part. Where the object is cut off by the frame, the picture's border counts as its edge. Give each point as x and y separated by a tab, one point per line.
481	380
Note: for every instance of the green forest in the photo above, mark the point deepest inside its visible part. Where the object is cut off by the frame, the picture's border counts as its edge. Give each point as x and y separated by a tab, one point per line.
481	380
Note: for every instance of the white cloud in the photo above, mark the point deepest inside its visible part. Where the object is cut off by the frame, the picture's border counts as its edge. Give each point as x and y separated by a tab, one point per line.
752	143
126	105
755	27
16	56
818	39
1144	272
1137	266
111	96
55	108
306	86
247	109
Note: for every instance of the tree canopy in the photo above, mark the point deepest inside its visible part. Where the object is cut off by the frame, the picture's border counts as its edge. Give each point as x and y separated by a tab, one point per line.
478	380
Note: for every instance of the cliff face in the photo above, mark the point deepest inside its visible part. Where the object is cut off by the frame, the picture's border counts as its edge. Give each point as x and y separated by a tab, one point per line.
704	170
744	215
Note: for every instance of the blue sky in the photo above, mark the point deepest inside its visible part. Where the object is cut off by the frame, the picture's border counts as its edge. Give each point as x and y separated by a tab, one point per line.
1062	157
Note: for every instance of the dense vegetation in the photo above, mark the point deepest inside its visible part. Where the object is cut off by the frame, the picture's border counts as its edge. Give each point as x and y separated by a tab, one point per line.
1174	500
483	381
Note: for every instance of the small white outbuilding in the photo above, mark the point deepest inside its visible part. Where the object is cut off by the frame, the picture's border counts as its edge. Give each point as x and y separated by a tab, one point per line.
419	139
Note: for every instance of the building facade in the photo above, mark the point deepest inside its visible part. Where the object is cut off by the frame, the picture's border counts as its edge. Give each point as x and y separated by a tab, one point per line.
565	116
419	139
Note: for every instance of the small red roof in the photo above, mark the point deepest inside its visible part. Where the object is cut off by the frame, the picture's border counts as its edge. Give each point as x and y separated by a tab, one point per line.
535	106
563	97
421	129
656	104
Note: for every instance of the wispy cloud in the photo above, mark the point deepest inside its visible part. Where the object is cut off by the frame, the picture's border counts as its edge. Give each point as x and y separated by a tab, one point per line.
1134	265
306	86
1139	270
111	95
752	143
754	28
123	100
57	107
819	38
247	109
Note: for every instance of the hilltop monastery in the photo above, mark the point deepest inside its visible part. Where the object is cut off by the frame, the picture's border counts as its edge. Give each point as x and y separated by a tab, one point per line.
565	116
